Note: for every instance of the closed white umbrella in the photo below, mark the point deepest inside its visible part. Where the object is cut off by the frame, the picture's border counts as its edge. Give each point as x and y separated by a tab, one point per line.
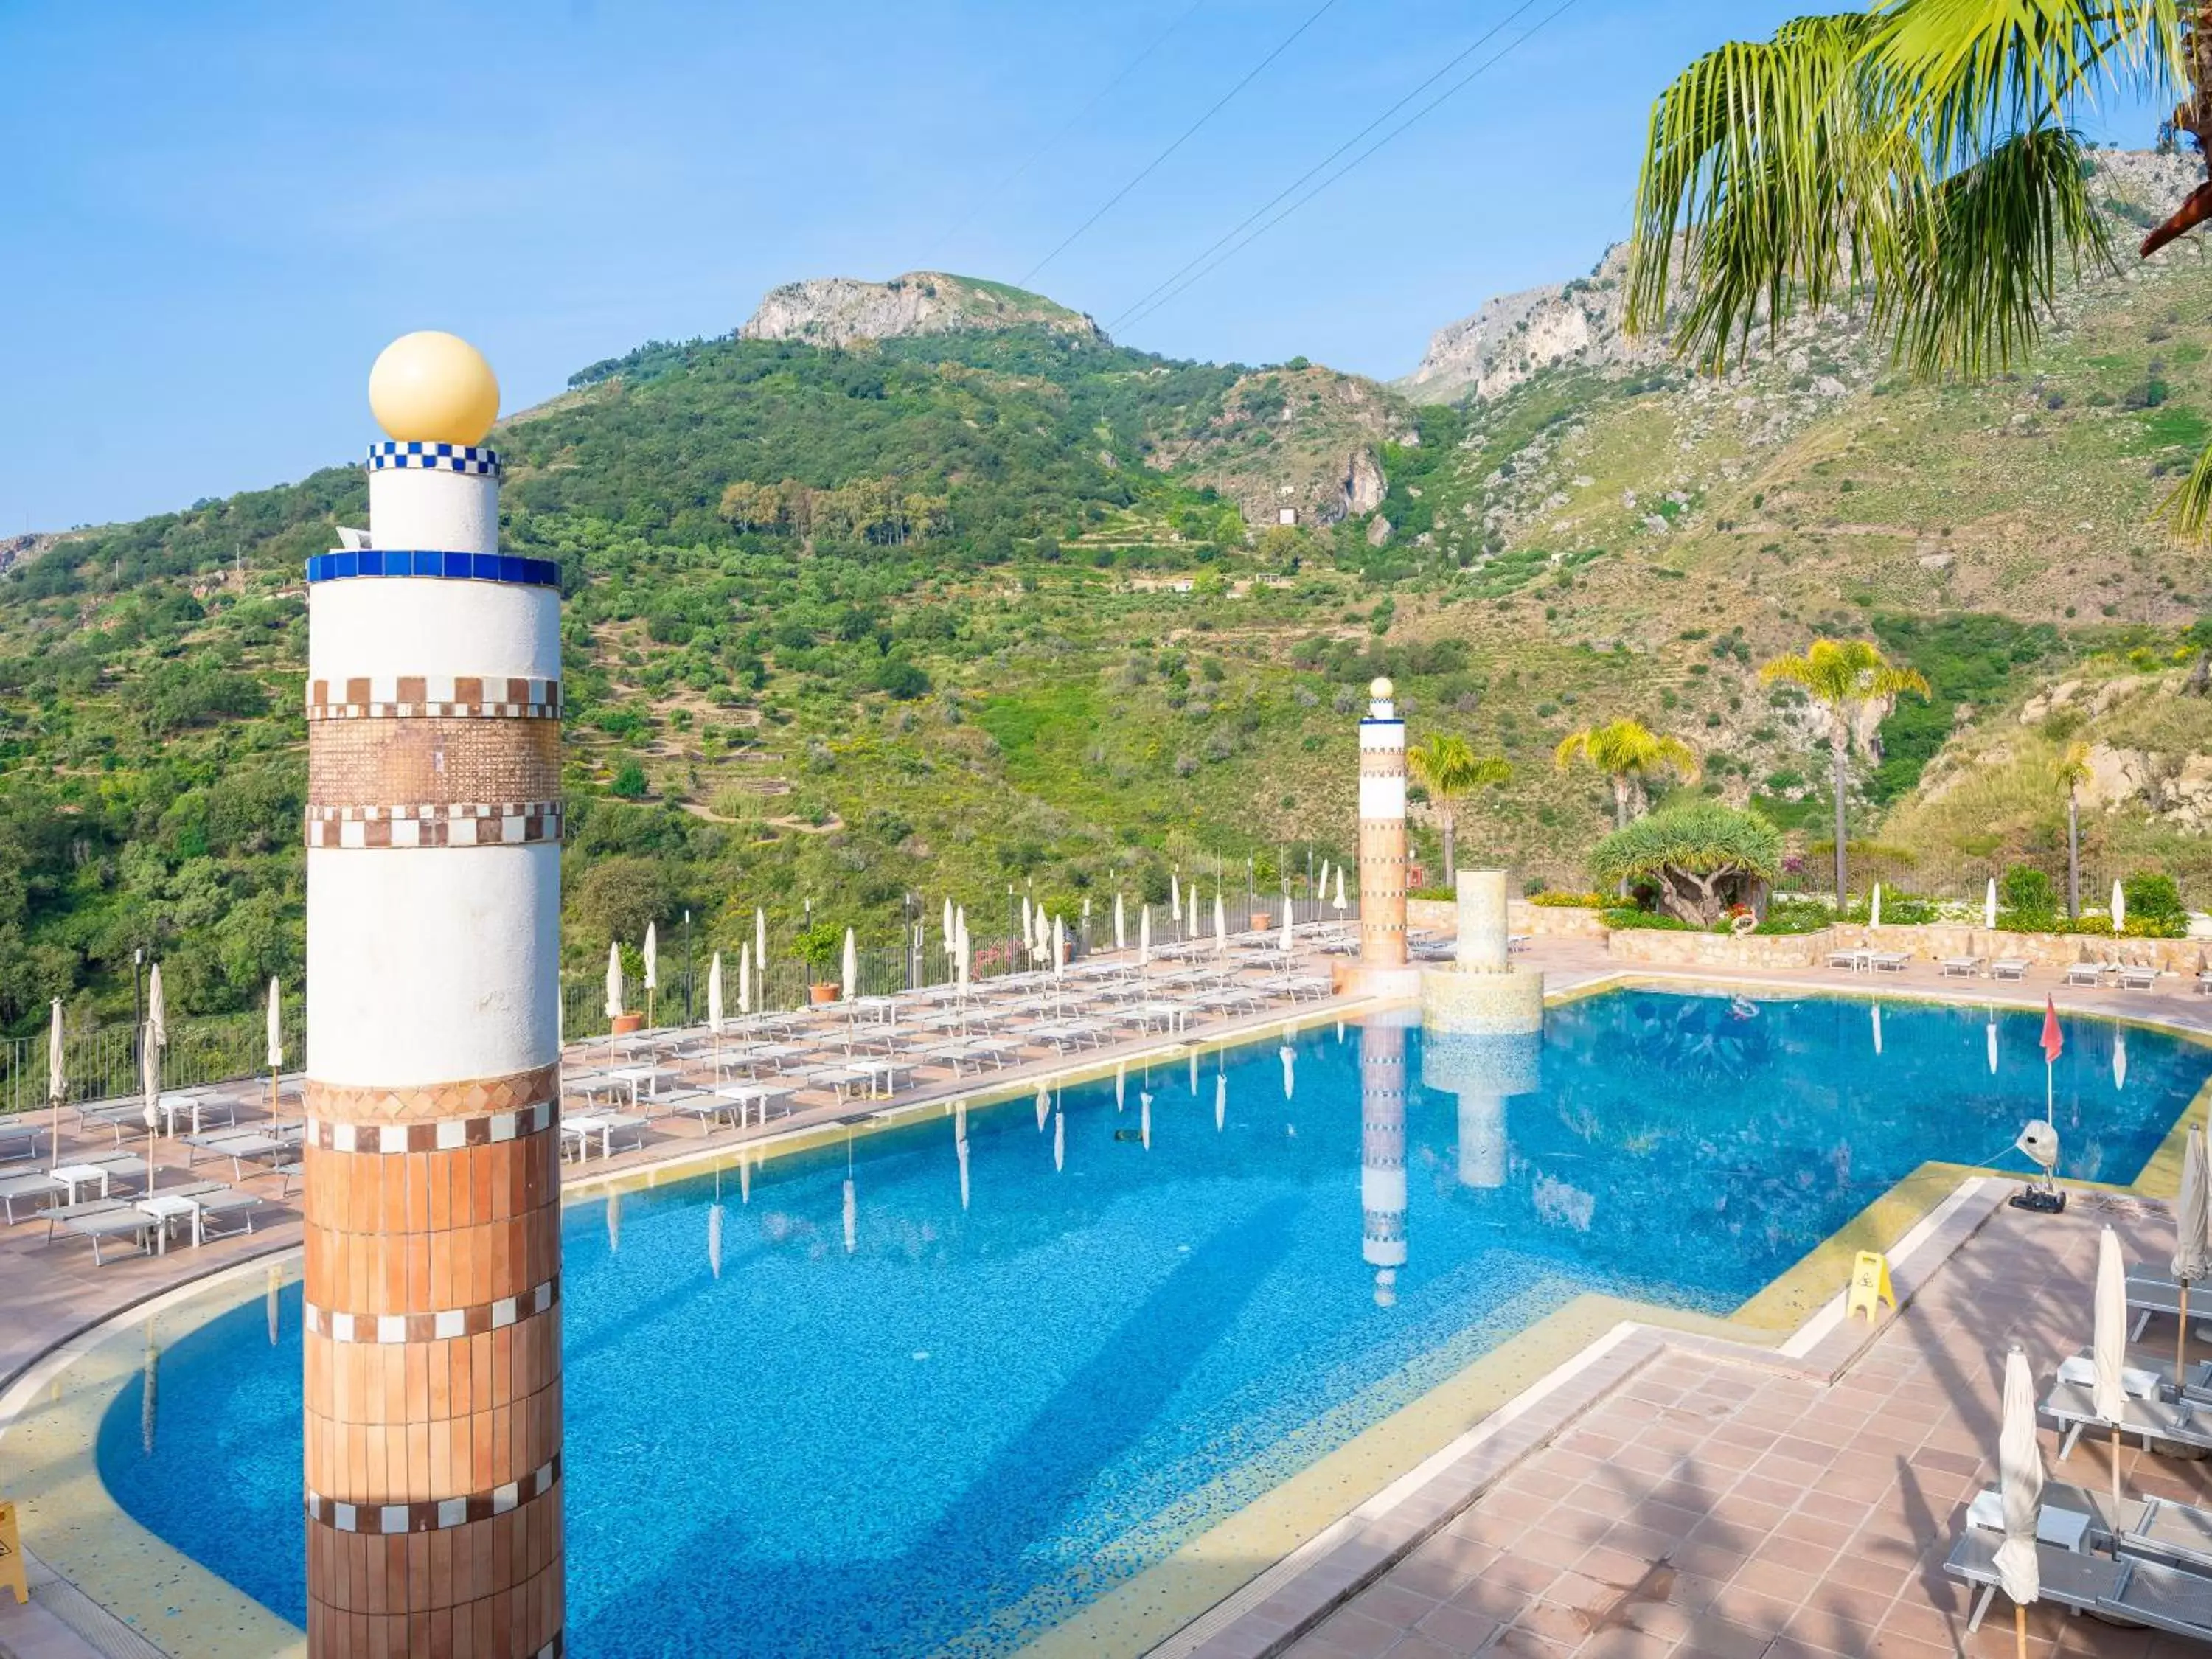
1191	931
57	1076
2192	1232
744	979
1220	924
2019	1479
1873	912
1320	888
1175	893
960	962
1990	906
2108	1346
851	983
651	969
276	1039
614	981
2119	909
1059	947
714	994
1121	925
948	926
157	1009
1029	923
1341	907
1145	936
1290	937
149	1089
760	943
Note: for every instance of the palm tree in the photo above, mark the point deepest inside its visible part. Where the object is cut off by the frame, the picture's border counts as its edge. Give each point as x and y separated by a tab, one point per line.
1857	685
1629	754
1449	769
2072	772
1915	157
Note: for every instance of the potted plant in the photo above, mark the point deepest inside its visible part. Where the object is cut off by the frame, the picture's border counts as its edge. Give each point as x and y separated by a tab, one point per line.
820	946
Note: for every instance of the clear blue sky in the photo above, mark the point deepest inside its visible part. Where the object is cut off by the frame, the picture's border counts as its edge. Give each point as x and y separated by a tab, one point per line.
216	214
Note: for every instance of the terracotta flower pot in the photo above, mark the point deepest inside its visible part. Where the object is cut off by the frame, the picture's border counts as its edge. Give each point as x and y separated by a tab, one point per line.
1263	921
819	995
625	1023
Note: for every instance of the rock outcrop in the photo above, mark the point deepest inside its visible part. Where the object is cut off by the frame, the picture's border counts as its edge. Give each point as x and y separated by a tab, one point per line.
837	311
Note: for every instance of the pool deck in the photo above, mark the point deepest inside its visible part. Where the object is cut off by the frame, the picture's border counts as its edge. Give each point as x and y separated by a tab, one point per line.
1667	1492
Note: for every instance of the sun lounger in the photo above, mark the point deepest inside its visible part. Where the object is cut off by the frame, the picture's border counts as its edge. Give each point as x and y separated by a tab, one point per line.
2133	978
240	1146
603	1129
1851	961
1963	967
2071	1406
2071	1578
20	1139
36	1190
2151	1292
2085	972
2009	968
2163	1530
2204	983
1888	962
103	1218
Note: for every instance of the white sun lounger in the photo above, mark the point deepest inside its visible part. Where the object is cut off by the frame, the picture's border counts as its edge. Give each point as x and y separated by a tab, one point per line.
103	1218
2085	972
37	1185
2008	968
1963	967
2133	978
1888	962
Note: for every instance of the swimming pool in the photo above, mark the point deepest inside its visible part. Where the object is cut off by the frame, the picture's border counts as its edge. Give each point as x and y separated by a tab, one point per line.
937	1400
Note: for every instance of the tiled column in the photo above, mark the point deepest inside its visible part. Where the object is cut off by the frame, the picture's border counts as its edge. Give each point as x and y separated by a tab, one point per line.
433	1174
1382	832
1382	1151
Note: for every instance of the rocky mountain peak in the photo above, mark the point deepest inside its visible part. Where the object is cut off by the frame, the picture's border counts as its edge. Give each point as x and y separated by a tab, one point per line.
836	311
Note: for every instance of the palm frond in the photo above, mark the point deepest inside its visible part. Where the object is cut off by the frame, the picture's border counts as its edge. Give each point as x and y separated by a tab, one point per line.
1999	237
1770	170
1975	72
2188	510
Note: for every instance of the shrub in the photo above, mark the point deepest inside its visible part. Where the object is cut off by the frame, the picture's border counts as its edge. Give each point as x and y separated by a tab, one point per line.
2153	895
628	781
2028	892
1899	910
1795	916
1634	919
1570	900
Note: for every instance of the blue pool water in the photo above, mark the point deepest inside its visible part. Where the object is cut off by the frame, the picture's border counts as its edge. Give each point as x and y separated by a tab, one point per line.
955	1428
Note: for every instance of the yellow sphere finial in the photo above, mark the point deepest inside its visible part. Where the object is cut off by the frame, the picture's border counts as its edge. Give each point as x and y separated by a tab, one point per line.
1381	691
432	387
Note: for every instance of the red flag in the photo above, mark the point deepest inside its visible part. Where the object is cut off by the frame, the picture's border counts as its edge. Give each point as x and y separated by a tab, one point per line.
2054	1043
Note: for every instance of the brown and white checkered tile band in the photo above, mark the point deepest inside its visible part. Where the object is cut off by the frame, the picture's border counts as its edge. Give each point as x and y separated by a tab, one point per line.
441	1326
373	1105
445	1134
516	824
435	1514
459	696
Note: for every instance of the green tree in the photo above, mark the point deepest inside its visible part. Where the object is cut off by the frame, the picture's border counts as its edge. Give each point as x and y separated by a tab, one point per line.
2071	772
1700	857
1449	769
1629	754
1915	157
1857	685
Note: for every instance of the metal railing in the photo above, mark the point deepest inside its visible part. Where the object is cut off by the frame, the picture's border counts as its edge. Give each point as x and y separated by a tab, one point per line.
100	1062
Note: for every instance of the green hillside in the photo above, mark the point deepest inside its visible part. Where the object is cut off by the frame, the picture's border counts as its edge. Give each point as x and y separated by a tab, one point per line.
977	608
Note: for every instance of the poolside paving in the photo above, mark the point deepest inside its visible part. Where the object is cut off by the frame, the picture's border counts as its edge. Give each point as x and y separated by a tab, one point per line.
1727	1504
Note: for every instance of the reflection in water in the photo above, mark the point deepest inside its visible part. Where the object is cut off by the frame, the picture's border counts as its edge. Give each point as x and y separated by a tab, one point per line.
614	1220
1290	1058
1382	1153
1220	1101
2119	1060
1483	1071
146	1383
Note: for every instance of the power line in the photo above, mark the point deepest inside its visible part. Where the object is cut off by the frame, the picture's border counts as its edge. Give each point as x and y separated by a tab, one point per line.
1442	70
1147	171
1262	230
1098	98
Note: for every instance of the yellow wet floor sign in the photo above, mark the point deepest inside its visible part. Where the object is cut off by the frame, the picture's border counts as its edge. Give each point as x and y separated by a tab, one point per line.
1869	1286
11	1556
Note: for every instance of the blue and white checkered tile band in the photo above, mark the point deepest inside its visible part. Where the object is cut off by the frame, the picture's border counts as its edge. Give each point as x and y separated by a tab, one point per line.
419	562
395	452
